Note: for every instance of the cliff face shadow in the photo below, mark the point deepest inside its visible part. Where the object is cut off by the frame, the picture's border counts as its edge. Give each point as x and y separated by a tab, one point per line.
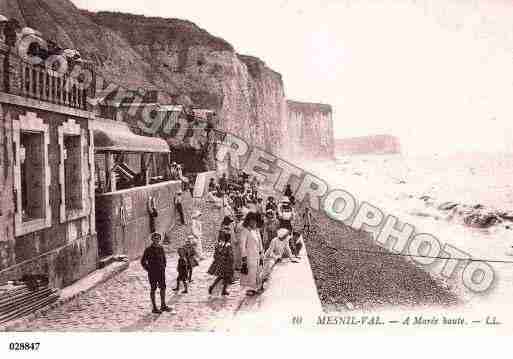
348	267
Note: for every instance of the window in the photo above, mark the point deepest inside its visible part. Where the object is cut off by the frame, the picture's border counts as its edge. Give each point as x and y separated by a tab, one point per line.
31	174
100	177
31	163
72	172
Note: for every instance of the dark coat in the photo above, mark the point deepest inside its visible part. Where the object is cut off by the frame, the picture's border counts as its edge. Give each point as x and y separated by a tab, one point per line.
238	201
271	206
190	255
182	268
223	183
222	266
154	259
211	187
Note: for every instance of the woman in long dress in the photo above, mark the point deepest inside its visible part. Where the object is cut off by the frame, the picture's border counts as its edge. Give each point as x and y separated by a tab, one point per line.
197	232
237	231
271	227
251	252
226	209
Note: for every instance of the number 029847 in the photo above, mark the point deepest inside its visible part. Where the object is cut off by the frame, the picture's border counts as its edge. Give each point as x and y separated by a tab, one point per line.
23	346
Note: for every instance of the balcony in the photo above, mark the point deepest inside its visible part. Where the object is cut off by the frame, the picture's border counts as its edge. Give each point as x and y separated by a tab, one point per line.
37	82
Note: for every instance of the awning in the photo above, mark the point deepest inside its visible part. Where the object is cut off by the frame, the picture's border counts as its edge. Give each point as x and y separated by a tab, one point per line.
116	136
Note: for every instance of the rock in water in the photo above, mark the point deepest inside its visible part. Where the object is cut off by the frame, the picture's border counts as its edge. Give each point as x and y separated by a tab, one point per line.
481	220
447	206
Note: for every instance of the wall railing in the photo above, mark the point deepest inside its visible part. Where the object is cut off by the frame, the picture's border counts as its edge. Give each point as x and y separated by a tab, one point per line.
39	83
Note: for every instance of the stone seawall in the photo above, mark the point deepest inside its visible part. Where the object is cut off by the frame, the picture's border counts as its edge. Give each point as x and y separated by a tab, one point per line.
123	221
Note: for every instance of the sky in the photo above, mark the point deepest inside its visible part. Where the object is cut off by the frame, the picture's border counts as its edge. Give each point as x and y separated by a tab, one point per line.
437	74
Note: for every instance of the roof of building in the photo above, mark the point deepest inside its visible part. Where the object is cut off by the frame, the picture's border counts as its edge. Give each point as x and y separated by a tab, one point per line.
157	106
116	136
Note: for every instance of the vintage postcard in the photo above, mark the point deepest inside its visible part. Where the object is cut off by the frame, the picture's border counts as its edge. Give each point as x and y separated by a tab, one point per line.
301	167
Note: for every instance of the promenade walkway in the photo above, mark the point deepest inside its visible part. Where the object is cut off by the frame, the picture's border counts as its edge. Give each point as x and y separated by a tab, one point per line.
289	300
122	303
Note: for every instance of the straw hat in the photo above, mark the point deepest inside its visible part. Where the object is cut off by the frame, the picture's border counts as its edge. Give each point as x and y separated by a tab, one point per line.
28	31
282	232
71	53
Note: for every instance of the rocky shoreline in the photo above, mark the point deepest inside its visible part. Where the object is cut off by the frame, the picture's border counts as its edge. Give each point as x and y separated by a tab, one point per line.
352	272
474	216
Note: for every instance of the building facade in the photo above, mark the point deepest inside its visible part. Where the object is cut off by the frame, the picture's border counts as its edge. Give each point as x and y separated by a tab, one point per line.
47	220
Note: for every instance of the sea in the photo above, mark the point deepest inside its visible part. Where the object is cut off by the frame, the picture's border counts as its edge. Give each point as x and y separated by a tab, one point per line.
412	188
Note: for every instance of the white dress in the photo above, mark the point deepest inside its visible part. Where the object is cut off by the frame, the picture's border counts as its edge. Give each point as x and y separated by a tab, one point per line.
251	248
226	209
276	250
197	232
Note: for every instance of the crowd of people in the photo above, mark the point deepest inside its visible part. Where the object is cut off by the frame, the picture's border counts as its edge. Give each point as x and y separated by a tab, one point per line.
254	235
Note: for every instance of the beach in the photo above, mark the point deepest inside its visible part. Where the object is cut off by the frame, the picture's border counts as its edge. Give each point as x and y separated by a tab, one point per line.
415	189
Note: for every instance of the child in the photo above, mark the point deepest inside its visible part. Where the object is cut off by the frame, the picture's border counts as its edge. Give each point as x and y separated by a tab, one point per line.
222	266
190	256
182	269
154	262
307	220
296	243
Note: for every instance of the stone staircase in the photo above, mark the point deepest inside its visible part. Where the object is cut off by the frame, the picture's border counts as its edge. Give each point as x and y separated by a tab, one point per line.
17	301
